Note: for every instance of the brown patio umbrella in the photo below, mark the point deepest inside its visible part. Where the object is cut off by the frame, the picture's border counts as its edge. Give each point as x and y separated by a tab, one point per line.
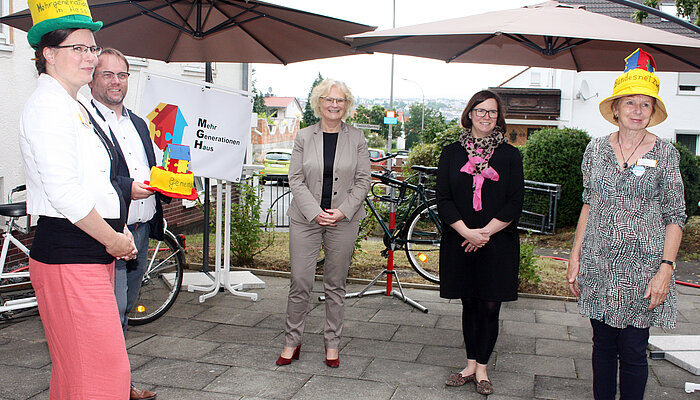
550	34
214	30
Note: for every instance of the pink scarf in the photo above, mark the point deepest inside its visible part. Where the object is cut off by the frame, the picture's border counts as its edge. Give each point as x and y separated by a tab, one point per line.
479	151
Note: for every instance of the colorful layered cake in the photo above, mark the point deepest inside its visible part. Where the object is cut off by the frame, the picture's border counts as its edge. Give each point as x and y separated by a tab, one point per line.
174	178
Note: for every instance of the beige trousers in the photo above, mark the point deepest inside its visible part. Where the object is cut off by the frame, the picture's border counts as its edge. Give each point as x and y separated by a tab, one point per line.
304	245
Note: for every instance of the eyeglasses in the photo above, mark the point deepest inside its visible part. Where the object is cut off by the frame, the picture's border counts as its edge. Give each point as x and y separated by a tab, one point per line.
480	112
109	75
331	100
81	48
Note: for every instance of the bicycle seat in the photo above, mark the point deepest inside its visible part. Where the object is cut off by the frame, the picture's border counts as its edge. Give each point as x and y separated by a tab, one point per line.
14	209
425	170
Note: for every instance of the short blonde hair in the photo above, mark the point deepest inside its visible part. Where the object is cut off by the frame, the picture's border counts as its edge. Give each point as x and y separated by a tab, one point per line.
324	88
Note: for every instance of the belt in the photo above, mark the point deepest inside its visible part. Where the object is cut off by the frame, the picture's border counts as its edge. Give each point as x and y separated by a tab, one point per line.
135	227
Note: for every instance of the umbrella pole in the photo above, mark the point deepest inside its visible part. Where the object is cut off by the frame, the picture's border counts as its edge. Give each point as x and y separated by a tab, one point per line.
205	236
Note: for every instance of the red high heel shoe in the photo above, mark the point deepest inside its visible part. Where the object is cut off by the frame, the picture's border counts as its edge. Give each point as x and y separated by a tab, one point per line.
335	363
286	361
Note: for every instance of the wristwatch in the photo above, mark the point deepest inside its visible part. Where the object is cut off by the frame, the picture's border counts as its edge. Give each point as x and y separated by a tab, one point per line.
671	263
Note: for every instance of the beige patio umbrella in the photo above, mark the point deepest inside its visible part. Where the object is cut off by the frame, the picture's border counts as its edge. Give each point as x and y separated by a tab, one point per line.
550	34
214	30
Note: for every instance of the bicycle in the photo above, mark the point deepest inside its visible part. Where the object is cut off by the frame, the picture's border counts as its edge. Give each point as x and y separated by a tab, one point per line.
159	289
419	229
162	280
16	292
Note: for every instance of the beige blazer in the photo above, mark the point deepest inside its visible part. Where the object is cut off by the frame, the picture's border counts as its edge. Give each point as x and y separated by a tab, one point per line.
351	173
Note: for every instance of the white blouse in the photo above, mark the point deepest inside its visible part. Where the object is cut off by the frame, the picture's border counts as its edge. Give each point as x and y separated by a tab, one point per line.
67	168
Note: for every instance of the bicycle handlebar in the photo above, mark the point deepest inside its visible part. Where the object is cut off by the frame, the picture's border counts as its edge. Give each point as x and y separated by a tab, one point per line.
386	157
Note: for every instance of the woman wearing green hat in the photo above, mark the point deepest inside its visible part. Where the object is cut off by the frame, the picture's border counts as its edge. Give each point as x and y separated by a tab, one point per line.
622	262
69	168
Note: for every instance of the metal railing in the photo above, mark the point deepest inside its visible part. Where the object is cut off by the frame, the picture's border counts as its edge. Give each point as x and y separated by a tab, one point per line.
540	207
276	200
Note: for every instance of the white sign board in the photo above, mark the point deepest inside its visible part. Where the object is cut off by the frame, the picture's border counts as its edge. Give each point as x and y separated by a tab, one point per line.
367	126
213	122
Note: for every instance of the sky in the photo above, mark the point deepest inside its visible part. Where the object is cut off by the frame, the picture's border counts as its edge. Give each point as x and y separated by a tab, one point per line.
369	76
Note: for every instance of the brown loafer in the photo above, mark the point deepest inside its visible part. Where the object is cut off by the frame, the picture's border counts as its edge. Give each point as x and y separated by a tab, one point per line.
484	387
138	394
458	380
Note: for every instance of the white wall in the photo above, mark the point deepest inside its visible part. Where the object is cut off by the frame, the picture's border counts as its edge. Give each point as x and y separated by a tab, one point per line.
683	109
19	81
293	110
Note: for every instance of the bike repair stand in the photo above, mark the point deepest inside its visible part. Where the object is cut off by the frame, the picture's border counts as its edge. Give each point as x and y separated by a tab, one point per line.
222	274
389	271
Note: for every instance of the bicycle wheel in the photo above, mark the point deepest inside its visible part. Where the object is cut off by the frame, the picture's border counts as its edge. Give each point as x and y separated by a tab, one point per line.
161	282
422	236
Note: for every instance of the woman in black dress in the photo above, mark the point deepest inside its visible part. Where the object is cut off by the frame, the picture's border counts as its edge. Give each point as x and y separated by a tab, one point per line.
480	197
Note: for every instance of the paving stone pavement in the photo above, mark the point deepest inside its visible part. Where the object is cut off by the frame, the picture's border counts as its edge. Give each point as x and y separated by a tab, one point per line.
226	347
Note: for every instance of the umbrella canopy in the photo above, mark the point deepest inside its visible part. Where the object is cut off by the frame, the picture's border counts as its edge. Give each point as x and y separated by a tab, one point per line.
214	30
550	35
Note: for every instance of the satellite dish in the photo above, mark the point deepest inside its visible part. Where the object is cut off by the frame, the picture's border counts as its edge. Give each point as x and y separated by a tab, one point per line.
584	92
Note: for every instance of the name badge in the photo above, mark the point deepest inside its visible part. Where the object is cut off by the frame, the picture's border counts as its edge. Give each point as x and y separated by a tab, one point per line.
638	170
645	162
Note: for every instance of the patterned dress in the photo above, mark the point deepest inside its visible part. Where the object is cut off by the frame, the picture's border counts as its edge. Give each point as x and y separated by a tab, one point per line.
624	237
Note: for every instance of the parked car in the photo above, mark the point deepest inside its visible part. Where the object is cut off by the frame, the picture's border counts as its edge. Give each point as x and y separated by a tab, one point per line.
276	164
377	153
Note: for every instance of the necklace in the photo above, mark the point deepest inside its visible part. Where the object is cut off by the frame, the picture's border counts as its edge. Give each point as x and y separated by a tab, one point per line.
624	164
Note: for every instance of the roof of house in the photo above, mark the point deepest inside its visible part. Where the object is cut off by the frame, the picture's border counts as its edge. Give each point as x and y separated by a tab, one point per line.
279	102
625	13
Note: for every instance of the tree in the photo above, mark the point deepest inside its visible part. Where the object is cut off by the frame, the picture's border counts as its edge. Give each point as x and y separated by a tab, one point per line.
374	116
259	102
434	123
374	141
685	9
309	118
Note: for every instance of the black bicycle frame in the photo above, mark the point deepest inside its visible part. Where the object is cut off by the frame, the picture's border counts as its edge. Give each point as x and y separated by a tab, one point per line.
418	193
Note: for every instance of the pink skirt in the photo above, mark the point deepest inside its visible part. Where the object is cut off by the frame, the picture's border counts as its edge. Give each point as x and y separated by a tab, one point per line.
84	335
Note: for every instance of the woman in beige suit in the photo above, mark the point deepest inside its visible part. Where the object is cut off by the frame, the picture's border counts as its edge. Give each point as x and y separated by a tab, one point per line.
329	176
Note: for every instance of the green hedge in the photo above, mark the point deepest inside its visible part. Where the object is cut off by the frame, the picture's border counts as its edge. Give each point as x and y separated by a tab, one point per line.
690	171
553	155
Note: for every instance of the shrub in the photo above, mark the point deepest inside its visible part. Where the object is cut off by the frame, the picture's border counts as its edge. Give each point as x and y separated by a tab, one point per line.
528	269
448	136
554	155
248	238
426	154
690	171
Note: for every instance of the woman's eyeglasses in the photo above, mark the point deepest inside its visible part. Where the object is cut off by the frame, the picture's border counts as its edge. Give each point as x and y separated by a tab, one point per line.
109	75
81	48
480	112
331	100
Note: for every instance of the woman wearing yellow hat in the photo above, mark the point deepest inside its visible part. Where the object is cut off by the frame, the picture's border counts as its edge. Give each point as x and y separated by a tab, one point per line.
622	262
69	167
